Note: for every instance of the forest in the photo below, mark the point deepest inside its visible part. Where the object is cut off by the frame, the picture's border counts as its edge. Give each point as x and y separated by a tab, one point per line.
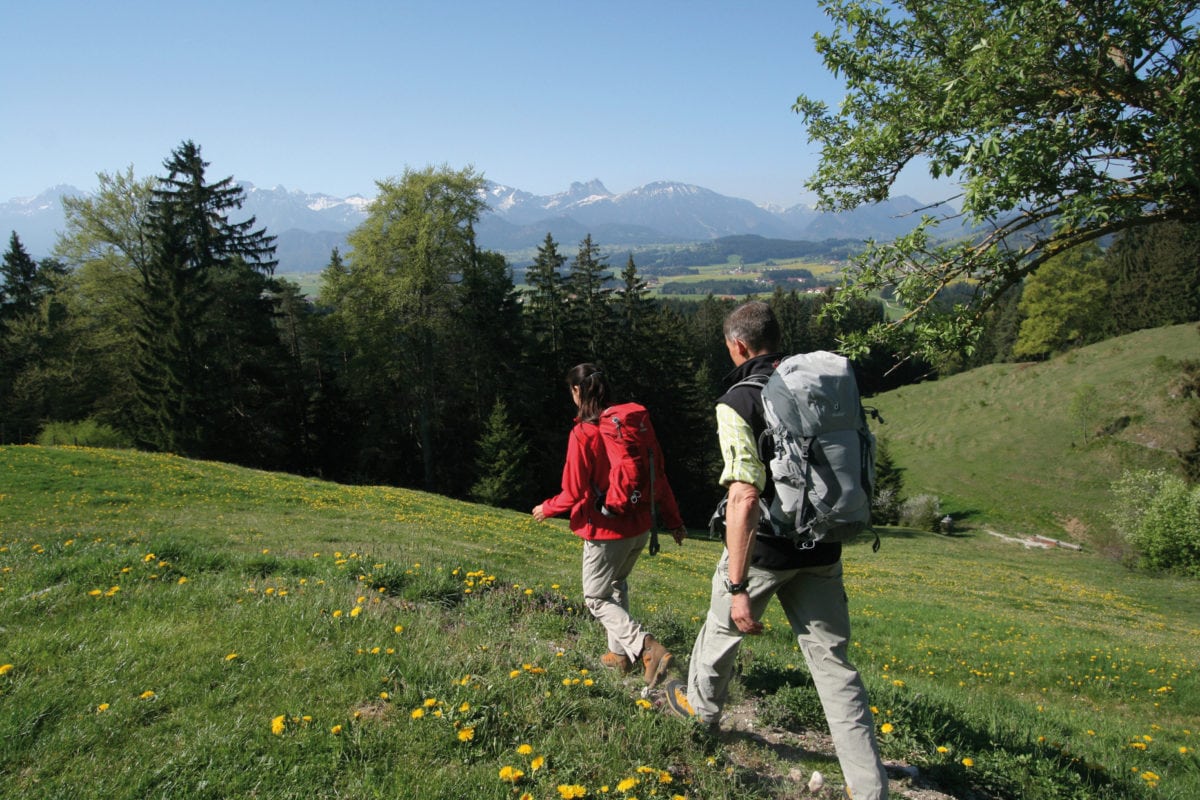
159	324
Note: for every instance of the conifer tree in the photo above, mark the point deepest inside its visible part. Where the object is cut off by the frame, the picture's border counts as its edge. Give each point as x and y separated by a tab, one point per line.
589	302
501	460
546	304
199	262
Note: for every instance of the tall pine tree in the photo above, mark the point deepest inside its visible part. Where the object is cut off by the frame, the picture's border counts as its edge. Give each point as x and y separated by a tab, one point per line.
199	262
589	303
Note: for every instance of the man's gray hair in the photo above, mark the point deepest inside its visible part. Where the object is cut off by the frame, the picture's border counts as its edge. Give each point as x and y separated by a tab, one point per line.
755	324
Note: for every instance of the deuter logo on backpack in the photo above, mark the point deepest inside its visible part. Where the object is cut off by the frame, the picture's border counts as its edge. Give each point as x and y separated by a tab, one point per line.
823	452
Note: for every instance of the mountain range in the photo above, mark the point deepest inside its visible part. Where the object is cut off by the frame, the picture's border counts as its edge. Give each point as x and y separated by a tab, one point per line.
308	226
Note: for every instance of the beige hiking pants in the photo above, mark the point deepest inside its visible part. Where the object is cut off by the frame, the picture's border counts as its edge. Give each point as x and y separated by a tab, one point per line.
814	600
606	567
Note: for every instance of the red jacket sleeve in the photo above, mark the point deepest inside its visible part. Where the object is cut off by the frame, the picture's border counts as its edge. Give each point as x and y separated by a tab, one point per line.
576	476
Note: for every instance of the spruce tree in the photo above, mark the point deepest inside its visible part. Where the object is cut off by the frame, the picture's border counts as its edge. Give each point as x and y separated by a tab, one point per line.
502	452
546	304
203	276
20	284
589	302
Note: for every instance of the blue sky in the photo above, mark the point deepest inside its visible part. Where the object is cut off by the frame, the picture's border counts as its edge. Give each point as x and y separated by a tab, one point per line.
332	96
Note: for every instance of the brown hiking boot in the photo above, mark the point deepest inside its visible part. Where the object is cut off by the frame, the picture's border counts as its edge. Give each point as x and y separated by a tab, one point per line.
617	661
655	659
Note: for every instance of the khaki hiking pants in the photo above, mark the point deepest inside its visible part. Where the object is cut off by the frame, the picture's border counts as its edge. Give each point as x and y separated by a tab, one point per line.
814	600
606	567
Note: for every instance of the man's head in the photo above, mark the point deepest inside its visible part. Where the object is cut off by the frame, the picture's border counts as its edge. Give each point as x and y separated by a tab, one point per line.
751	330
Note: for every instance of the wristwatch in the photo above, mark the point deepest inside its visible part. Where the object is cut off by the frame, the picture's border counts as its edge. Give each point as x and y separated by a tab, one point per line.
736	588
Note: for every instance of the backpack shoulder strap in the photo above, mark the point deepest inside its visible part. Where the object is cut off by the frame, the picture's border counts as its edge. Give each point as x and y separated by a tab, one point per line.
758	379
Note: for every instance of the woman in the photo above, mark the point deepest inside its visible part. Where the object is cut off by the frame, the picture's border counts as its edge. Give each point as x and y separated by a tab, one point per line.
611	544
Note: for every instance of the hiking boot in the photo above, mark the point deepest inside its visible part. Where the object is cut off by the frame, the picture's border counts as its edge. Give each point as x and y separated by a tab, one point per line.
617	661
655	659
676	700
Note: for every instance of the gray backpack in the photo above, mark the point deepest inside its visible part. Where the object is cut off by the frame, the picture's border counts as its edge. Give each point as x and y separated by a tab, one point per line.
823	462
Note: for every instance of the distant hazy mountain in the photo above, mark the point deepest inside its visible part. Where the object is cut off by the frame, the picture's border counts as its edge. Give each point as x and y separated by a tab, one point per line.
309	226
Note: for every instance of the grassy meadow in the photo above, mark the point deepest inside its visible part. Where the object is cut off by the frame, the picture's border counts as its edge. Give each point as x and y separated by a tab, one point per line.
1034	447
174	628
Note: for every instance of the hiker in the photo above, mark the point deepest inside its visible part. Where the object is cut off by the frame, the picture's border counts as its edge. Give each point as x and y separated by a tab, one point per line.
611	544
757	565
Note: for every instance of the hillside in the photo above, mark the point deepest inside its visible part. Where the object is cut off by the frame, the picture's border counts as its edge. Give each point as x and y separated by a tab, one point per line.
174	628
1034	447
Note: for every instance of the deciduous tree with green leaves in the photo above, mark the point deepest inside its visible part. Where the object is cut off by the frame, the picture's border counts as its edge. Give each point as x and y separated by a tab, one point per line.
1062	122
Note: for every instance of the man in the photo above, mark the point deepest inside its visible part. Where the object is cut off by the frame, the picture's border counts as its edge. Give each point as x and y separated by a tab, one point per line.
758	565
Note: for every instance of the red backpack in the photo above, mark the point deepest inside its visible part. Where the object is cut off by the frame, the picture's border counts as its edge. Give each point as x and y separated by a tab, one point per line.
635	461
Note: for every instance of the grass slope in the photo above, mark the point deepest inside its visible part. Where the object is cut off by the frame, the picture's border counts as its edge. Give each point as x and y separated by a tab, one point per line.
172	628
1022	447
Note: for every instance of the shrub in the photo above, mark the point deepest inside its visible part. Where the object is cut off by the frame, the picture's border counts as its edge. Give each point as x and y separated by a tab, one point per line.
923	511
85	433
1159	516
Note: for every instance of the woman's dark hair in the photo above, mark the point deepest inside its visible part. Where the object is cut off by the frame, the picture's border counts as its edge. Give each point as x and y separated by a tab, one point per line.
594	393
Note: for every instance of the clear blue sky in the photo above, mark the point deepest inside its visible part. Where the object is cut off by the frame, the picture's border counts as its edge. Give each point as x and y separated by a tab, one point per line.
332	96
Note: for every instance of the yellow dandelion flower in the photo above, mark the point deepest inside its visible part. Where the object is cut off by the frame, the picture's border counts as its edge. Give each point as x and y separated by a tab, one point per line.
398	629
337	613
569	791
95	593
1183	751
511	774
354	612
886	728
464	708
182	579
665	777
528	592
102	707
589	682
898	684
430	702
466	734
968	762
374	651
642	702
645	770
524	750
525	796
231	656
943	749
384	695
537	763
147	695
335	730
1138	745
5	669
278	724
627	784
515	673
1149	776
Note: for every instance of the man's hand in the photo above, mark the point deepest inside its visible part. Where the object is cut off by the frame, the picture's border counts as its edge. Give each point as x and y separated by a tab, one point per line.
537	514
679	534
739	612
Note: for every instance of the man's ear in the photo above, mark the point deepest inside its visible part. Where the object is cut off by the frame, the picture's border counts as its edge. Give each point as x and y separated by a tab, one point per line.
742	349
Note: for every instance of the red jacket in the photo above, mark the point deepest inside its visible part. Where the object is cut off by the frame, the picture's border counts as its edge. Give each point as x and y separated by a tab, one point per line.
587	469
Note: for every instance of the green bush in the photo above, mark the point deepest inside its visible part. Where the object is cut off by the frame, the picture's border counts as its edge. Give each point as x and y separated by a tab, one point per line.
1158	514
923	511
85	433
